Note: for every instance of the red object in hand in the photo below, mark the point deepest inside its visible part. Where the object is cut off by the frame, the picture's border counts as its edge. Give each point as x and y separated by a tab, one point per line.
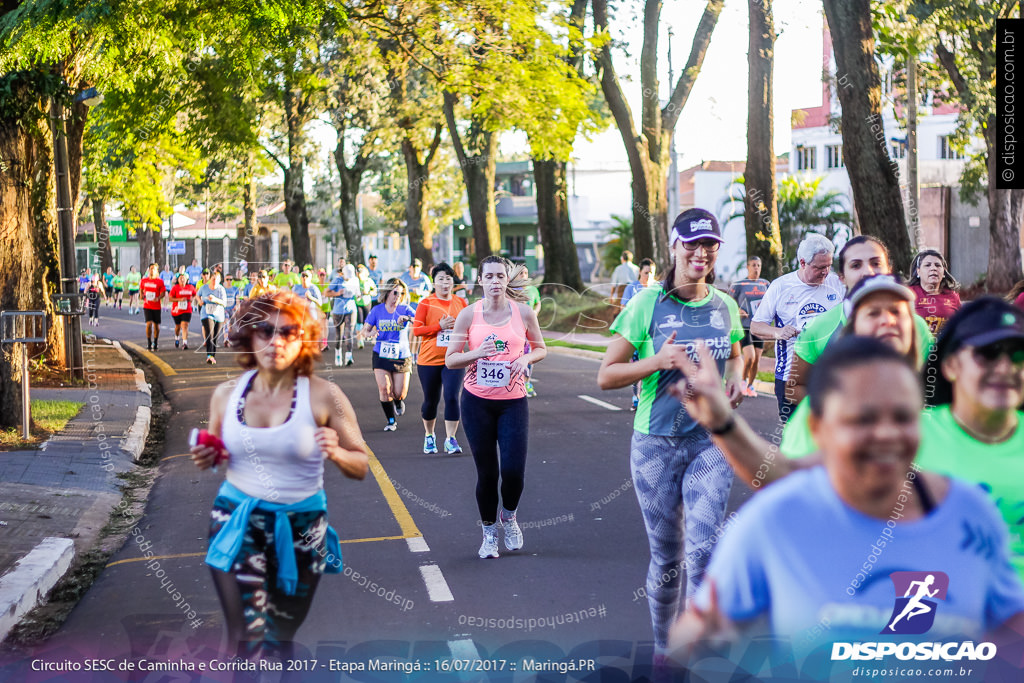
201	437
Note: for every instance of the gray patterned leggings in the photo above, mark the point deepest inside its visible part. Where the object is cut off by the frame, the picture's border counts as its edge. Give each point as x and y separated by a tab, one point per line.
678	480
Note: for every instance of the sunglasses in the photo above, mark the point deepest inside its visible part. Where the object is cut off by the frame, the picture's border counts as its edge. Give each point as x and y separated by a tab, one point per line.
987	355
266	331
710	246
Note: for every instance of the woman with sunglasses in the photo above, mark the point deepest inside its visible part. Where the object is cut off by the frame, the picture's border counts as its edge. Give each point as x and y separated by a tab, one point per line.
936	290
269	537
392	359
681	478
213	299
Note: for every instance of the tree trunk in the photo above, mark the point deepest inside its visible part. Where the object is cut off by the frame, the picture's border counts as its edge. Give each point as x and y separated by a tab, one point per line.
245	232
760	199
477	159
561	262
648	148
1005	218
294	194
417	174
99	220
351	180
873	175
145	238
156	237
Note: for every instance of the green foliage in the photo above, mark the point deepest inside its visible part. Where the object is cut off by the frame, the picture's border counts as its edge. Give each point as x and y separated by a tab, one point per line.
803	207
621	235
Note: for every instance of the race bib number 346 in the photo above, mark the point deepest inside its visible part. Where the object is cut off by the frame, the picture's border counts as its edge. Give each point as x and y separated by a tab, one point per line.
490	373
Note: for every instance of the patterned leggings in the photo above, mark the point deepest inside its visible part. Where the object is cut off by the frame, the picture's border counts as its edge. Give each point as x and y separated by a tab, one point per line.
678	480
261	619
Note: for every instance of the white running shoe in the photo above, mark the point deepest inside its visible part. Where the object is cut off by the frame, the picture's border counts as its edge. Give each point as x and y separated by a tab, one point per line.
337	356
489	548
391	426
513	534
348	358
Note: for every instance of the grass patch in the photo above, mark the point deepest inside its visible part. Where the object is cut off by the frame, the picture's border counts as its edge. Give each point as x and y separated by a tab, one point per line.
48	417
564	310
766	376
572	345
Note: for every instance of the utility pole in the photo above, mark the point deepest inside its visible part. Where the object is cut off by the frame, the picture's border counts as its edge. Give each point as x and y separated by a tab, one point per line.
913	209
66	231
673	170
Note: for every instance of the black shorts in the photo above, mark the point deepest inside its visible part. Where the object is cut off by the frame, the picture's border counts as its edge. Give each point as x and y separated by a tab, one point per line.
118	290
151	315
182	318
398	365
751	340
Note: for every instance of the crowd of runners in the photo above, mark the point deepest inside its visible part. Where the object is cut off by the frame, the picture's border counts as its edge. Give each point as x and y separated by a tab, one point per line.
891	395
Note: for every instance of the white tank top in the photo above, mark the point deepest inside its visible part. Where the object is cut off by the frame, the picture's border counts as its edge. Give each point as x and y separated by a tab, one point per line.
282	464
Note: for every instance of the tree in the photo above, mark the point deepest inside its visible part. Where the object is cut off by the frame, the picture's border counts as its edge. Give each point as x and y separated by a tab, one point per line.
648	148
873	175
965	48
761	210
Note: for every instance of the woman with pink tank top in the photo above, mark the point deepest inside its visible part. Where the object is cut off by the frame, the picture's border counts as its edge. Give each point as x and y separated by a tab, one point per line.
494	410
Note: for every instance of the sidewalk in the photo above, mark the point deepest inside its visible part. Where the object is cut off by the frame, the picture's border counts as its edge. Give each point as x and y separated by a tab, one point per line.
54	501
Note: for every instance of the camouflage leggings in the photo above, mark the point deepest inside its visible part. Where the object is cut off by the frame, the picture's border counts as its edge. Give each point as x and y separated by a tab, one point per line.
679	481
260	617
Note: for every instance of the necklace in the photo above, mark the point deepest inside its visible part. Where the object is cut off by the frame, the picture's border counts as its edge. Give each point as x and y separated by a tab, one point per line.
982	437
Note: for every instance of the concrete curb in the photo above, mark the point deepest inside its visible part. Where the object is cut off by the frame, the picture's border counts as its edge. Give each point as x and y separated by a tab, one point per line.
25	586
120	350
135	440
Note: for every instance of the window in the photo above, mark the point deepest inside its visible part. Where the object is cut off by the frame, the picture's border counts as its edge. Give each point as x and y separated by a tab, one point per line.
834	156
946	150
515	245
806	158
898	150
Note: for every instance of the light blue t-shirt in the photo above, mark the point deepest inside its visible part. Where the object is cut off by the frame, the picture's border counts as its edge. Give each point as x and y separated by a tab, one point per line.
314	293
194	273
210	309
631	289
231	296
343	304
801	556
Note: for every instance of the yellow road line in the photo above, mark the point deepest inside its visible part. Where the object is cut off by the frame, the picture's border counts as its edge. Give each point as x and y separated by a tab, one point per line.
172	457
398	509
153	358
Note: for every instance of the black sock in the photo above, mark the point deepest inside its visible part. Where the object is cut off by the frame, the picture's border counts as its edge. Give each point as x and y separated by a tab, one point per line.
389	409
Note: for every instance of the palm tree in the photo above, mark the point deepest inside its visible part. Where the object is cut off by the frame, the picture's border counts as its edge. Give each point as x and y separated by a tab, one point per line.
803	207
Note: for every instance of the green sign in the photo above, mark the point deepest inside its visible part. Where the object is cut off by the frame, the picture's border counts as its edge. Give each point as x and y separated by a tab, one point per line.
121	230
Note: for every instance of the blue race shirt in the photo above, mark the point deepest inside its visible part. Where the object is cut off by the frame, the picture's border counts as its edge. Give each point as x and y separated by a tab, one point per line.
210	309
388	328
194	273
798	554
342	304
231	297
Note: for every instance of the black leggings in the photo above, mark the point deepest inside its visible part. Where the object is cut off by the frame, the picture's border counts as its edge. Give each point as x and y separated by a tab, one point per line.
432	379
211	328
490	425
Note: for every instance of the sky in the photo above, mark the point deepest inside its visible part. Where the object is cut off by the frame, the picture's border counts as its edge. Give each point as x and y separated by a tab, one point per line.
713	124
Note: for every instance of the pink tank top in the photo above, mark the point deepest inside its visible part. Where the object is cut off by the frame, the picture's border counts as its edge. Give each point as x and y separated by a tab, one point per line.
489	377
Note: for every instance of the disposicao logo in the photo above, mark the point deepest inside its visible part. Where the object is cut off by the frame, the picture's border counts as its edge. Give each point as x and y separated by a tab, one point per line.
913	613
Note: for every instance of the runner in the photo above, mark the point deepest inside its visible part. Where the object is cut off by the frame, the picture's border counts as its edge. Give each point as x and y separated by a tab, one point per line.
462	289
168	277
262	286
286	279
791	302
623	274
153	293
269	538
133	280
644	279
213	298
392	364
181	296
309	291
367	293
119	290
435	319
343	291
936	290
494	404
748	294
232	294
375	275
682	479
108	286
417	282
195	272
84	280
772	563
93	293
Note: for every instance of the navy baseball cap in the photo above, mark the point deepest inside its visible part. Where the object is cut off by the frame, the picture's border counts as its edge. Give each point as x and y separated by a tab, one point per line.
981	322
695	224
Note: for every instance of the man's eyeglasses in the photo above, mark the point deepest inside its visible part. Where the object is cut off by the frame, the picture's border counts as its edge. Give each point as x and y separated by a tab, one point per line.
987	355
710	246
266	331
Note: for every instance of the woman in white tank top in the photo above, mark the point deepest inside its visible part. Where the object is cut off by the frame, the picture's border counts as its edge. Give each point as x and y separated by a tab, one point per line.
269	538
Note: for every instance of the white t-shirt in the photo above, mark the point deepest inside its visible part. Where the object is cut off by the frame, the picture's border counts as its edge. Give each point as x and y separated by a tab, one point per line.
625	273
791	301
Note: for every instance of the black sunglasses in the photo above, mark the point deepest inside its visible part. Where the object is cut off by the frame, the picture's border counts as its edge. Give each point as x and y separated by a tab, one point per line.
992	352
266	331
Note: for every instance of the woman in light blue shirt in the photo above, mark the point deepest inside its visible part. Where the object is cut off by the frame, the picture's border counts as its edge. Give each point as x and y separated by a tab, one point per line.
214	299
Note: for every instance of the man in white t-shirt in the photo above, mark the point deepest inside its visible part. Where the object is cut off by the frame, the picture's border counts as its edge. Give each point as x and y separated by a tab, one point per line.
792	301
623	274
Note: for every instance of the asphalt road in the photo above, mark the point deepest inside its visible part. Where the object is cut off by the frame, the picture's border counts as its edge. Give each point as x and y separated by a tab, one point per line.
413	590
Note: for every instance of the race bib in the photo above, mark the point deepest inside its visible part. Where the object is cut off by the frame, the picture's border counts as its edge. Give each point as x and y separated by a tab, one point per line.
444	337
492	373
390	350
150	296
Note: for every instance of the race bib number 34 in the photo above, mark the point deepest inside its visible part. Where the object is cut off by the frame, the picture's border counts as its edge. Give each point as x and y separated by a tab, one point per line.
444	337
490	373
